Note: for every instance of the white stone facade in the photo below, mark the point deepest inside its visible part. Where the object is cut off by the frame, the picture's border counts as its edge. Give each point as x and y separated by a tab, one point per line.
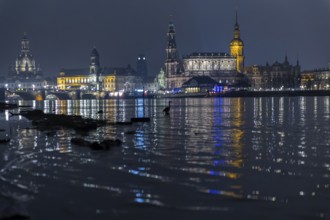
209	62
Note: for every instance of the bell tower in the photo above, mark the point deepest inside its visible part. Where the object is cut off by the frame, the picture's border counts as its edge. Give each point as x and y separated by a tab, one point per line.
171	63
94	66
237	47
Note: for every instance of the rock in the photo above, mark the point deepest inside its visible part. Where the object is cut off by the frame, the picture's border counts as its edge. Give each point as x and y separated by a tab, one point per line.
80	142
4	140
76	122
106	144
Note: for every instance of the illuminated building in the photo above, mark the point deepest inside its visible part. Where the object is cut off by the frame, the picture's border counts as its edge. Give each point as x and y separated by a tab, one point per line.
255	75
97	78
25	65
199	84
160	80
318	79
237	48
84	78
24	74
277	76
219	66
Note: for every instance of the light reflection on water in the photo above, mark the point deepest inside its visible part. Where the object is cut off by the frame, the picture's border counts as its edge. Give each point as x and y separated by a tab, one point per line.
250	158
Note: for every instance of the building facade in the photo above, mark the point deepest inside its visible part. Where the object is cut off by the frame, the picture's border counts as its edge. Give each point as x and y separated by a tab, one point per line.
219	66
318	79
97	78
278	76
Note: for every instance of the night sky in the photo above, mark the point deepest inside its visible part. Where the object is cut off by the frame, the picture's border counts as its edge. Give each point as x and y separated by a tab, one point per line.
62	33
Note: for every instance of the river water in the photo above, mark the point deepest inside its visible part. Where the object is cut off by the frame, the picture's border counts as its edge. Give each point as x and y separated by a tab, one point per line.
214	158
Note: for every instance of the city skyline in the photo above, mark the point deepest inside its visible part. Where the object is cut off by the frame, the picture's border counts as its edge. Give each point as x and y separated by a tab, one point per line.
62	34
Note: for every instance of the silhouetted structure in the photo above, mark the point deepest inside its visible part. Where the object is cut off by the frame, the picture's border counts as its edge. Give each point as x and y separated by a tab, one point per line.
221	67
142	66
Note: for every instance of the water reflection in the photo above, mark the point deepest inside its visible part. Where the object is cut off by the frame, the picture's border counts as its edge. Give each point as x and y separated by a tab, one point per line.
205	153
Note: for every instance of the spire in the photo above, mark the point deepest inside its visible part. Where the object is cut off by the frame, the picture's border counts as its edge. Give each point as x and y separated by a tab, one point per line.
171	42
298	63
95	58
237	46
236	21
25	48
171	18
24	36
171	28
171	62
236	28
94	52
286	56
286	62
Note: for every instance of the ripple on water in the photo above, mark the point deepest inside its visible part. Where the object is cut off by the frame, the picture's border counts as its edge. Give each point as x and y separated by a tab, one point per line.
238	157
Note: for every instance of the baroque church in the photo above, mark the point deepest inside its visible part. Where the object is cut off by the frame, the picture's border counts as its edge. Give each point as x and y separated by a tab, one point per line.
221	67
25	65
25	73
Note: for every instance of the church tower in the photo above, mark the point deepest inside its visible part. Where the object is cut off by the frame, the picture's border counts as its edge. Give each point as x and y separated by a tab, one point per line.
94	66
95	69
237	47
171	63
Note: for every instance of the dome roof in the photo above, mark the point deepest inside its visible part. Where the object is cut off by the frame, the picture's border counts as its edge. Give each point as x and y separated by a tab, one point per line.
25	58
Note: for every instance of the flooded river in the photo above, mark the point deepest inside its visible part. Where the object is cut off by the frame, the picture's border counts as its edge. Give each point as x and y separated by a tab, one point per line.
211	158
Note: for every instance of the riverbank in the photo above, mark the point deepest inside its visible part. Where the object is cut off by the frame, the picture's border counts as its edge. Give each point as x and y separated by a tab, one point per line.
250	94
206	95
275	93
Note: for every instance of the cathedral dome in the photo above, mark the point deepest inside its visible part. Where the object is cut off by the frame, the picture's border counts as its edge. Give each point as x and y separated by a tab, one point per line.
27	59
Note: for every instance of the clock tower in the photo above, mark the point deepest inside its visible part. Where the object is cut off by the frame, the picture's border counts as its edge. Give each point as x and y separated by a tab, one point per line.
237	47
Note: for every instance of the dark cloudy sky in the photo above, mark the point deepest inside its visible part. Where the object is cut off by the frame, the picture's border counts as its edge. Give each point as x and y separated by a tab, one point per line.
62	33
